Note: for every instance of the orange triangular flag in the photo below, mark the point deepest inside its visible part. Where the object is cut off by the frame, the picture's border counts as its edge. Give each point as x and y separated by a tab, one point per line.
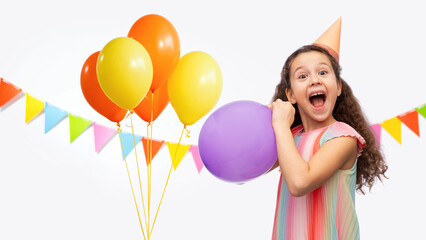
393	127
8	93
330	39
34	107
156	145
411	120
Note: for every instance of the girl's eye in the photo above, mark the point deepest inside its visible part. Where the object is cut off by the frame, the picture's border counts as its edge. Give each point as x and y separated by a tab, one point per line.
322	73
303	76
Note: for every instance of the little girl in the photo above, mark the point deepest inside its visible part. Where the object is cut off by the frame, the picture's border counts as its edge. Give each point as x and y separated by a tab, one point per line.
326	149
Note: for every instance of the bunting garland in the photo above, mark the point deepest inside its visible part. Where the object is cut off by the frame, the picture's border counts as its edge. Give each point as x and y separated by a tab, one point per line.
77	126
177	152
34	107
156	145
8	93
411	120
102	135
422	110
377	130
128	144
53	116
197	159
393	127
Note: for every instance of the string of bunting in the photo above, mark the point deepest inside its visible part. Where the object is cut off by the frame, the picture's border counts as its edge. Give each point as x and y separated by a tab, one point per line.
9	93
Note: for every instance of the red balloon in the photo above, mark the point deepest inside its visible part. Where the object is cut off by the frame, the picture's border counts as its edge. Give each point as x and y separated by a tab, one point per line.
160	39
94	94
161	99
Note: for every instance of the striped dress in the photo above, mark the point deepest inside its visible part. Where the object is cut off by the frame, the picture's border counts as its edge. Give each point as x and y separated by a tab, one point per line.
328	212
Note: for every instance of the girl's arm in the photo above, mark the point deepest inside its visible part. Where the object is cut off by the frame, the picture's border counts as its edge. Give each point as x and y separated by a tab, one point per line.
303	177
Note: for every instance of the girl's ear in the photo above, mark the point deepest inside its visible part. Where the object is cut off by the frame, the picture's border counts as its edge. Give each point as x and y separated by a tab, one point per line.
290	96
339	88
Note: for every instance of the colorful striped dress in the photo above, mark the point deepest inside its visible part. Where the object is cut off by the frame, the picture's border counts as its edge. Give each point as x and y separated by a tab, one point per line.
328	212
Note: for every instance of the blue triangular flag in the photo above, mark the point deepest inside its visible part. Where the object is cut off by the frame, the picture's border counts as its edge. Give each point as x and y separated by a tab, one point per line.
127	142
53	116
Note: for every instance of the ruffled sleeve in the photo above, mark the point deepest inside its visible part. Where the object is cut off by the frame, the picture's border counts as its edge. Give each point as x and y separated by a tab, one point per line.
296	129
341	129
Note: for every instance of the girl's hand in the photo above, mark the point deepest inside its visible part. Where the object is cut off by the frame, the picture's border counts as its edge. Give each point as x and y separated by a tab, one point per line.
282	113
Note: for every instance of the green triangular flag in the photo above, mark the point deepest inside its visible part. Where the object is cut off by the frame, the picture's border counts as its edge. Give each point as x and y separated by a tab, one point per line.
422	110
77	126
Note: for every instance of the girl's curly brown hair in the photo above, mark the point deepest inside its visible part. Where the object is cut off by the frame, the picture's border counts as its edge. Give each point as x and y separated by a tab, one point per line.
371	164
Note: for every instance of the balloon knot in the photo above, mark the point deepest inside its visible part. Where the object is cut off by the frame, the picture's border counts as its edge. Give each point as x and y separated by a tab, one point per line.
118	127
132	111
187	131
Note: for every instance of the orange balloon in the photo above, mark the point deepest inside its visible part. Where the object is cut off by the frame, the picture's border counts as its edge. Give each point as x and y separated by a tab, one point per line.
161	99
161	40
94	94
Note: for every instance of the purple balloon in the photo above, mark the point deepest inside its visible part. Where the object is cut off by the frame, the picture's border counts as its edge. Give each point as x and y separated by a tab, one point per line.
237	142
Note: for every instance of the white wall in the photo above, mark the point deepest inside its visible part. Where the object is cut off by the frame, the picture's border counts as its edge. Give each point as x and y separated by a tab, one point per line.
51	189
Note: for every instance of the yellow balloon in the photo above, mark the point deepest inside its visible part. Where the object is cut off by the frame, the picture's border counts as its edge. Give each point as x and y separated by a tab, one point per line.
124	71
194	86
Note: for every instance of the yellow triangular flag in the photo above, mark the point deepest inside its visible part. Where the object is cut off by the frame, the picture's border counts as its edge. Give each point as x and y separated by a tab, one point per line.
177	157
33	108
330	39
393	127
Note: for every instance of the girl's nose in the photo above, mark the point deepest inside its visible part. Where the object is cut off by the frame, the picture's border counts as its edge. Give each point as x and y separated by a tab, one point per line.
315	80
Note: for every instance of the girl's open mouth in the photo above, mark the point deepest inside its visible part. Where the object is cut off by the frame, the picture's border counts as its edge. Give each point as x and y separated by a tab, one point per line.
317	99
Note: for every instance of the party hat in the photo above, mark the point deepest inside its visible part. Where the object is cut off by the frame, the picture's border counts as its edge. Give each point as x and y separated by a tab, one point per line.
330	39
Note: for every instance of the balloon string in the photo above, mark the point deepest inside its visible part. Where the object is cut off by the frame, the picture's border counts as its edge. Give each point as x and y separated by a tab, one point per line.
150	159
164	190
127	116
130	180
137	165
148	174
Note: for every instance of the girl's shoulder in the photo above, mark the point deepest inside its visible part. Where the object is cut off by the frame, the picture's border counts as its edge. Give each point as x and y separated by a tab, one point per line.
342	129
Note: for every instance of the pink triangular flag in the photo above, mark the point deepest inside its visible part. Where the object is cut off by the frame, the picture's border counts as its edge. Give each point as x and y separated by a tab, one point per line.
197	159
377	130
102	135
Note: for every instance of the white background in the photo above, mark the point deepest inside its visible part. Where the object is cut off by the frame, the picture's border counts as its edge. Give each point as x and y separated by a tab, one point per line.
51	189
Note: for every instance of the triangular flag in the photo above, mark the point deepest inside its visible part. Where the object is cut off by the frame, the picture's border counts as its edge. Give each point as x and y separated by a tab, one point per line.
127	143
33	108
422	110
102	135
377	130
8	92
411	120
77	126
156	145
52	116
197	159
181	151
330	39
393	127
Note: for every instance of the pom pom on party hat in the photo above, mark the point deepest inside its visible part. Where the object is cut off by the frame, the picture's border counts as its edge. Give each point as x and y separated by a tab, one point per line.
330	39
